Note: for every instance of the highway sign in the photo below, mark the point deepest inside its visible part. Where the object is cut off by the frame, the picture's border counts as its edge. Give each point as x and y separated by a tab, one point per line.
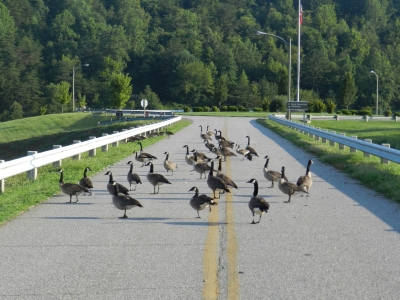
144	102
297	105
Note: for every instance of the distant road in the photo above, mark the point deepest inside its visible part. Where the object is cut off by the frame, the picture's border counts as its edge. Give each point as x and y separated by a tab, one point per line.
340	243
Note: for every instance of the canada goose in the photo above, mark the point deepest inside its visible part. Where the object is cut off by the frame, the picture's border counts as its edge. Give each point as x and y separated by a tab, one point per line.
140	158
155	179
168	133
200	202
200	155
136	138
217	137
305	181
216	183
251	149
225	152
210	133
110	187
85	181
189	159
204	136
243	152
132	178
288	188
257	204
209	145
270	174
169	165
71	189
148	155
123	202
200	166
223	176
226	144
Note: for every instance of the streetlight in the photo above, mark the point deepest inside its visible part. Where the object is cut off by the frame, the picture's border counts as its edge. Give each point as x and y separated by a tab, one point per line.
290	55
377	91
73	86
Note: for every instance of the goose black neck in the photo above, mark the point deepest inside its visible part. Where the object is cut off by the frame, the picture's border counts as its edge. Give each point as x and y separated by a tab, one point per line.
151	168
248	141
131	168
211	168
195	156
61	177
308	167
266	163
283	173
255	193
111	178
84	173
196	192
166	157
116	191
187	150
219	164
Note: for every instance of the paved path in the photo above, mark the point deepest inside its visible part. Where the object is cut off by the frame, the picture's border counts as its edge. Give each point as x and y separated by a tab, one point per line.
342	242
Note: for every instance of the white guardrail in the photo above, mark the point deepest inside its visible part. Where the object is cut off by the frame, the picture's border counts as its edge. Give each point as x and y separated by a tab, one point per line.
32	162
367	147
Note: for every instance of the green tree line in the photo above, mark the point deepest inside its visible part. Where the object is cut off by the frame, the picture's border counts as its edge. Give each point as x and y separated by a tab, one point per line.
194	53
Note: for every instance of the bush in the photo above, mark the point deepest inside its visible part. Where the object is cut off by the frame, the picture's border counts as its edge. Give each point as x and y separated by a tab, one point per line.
330	105
278	104
258	109
339	112
232	108
354	112
319	106
214	108
242	108
206	109
186	109
396	114
387	113
363	112
224	108
198	109
345	112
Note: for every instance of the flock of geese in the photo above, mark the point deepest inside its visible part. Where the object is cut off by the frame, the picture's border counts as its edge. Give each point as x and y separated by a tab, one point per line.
204	165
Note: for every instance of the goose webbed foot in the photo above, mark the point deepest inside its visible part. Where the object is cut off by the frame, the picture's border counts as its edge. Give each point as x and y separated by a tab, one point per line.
253	222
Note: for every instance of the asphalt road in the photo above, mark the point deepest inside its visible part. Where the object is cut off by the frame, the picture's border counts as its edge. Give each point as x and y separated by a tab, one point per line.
342	242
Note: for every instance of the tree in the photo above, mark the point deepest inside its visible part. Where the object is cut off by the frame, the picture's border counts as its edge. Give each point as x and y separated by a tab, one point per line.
221	89
16	111
119	89
348	91
151	97
60	92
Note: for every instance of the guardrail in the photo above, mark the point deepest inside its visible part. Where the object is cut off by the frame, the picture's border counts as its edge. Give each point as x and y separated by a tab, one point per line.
31	162
383	151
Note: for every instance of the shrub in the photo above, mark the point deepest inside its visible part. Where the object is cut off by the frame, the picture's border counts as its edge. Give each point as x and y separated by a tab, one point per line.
242	108
354	112
339	112
186	109
387	113
396	114
214	108
363	112
258	109
345	112
232	108
224	108
206	109
278	104
330	105
319	106
198	109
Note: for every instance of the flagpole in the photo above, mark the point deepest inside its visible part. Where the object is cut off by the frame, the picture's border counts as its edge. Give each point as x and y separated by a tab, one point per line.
298	52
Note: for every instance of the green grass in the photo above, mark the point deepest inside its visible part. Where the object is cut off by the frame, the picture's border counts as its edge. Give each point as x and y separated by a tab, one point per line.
21	194
384	179
41	133
378	131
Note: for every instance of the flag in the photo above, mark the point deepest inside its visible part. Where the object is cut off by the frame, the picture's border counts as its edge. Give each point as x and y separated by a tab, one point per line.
301	14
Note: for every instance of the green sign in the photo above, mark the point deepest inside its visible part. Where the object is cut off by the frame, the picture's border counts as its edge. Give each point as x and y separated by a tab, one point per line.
297	105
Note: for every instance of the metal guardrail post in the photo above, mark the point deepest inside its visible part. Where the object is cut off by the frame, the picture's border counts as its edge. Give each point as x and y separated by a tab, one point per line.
105	147
332	143
115	144
2	182
78	156
58	163
365	153
385	161
32	174
341	146
126	139
353	150
93	151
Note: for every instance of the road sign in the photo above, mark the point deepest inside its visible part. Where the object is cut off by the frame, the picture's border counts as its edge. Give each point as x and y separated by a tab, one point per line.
144	102
297	105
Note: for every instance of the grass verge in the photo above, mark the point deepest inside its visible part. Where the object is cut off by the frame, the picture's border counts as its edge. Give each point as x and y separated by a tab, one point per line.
384	179
21	194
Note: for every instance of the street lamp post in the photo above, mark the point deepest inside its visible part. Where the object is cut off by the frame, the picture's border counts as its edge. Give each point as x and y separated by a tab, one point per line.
377	91
290	56
73	86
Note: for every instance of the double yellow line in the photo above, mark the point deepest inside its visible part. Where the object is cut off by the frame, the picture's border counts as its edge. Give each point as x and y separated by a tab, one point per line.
210	256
